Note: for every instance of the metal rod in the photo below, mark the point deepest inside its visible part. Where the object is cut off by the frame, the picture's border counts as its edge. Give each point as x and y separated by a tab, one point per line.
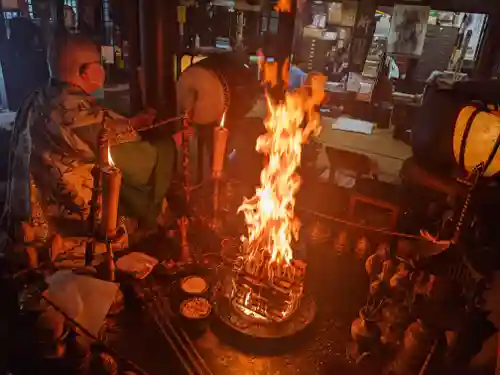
170	341
216	196
425	366
162	317
168	310
189	355
185	159
110	259
160	123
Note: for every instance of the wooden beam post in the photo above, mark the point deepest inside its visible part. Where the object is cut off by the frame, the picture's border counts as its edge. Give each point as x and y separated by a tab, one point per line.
158	41
489	55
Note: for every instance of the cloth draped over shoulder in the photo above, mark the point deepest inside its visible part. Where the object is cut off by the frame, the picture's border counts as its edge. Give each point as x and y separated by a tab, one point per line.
54	147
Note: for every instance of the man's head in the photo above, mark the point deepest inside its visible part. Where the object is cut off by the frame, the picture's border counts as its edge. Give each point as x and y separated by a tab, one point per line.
77	60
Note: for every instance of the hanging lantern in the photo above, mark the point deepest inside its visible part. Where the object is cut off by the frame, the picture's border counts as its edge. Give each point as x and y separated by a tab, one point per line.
476	138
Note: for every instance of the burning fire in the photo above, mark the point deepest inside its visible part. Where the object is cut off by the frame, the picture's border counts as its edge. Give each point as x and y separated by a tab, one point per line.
270	213
269	282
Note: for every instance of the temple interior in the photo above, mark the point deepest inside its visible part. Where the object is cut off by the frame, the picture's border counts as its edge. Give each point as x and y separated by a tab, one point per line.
261	187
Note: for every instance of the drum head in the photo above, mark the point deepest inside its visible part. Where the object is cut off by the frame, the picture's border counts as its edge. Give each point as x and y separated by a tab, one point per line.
219	83
201	93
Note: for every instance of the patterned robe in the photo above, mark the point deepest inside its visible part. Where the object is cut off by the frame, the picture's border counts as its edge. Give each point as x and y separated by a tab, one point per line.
54	147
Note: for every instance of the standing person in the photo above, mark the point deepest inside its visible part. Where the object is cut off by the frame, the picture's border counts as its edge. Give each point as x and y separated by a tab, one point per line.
24	62
65	122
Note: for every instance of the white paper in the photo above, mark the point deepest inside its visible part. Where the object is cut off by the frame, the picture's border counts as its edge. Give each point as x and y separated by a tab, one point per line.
353	125
83	298
354	82
108	54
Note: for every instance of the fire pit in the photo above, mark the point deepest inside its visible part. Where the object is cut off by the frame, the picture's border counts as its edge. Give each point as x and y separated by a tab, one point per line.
266	291
263	295
262	300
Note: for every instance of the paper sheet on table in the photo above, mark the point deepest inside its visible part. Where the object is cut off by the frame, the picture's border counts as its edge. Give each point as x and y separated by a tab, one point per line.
353	125
83	298
354	82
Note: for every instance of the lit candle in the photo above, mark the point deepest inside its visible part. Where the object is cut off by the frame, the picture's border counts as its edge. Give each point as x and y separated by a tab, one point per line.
220	140
111	183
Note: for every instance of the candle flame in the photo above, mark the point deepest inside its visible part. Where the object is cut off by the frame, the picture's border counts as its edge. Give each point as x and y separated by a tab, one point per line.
223	120
110	159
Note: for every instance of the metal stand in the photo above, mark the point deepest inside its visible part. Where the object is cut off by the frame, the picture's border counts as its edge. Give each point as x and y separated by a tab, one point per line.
184	221
94	217
110	260
216	223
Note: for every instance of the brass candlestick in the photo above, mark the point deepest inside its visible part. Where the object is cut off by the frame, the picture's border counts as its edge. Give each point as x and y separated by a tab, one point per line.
95	214
111	184
185	160
220	141
183	228
184	221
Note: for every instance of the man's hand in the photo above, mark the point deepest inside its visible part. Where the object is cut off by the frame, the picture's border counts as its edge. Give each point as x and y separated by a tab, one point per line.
189	132
143	119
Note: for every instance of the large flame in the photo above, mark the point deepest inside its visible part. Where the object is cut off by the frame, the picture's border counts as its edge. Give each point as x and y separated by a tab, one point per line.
270	213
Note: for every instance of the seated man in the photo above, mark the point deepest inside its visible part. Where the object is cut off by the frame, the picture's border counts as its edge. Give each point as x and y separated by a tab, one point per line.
65	124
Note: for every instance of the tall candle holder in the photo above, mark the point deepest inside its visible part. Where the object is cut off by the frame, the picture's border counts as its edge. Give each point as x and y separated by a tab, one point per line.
184	221
111	184
103	216
220	141
95	214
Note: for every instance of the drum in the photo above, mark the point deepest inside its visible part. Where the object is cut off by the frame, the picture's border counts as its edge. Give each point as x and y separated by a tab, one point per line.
219	83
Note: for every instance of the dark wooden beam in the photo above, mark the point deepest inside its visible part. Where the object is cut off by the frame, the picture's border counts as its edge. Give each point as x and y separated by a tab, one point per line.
159	44
489	54
363	30
90	19
131	31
